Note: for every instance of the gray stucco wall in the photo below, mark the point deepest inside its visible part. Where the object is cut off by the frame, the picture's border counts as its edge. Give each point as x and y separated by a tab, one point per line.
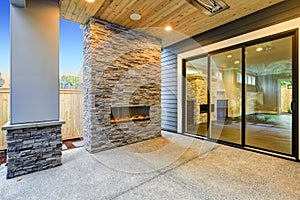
35	62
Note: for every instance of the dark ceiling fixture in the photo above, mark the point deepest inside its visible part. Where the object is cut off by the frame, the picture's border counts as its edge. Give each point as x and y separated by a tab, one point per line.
210	7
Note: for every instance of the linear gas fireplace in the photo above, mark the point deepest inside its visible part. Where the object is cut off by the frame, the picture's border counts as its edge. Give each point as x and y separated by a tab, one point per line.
129	113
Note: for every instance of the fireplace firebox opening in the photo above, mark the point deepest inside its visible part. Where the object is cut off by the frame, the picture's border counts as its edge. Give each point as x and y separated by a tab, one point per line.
129	113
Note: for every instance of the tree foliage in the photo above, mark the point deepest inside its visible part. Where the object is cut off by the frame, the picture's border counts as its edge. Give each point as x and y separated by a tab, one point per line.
70	82
2	81
286	83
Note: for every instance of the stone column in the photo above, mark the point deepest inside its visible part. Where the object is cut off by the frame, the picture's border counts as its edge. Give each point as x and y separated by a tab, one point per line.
34	131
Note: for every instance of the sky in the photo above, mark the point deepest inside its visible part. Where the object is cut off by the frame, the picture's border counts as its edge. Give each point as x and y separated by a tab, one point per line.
71	44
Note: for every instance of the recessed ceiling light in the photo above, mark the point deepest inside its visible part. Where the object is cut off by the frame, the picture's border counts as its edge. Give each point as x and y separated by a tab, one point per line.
90	1
236	62
229	56
135	16
168	28
259	49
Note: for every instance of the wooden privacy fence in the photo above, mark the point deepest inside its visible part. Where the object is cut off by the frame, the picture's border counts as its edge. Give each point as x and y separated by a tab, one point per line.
4	114
71	110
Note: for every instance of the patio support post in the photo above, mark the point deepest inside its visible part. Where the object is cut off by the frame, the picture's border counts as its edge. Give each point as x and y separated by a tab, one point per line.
34	132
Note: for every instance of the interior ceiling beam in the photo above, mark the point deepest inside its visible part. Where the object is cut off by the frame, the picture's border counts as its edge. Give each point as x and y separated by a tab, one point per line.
18	3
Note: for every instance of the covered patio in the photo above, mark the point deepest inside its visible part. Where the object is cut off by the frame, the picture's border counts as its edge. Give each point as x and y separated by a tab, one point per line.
135	120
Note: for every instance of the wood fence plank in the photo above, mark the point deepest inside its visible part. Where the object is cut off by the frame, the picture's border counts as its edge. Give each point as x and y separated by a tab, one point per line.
71	110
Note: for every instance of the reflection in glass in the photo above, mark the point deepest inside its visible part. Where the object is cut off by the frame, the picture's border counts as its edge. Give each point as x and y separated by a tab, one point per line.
226	96
269	95
196	96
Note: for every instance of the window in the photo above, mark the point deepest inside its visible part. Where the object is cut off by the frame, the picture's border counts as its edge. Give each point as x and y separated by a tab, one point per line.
250	80
239	78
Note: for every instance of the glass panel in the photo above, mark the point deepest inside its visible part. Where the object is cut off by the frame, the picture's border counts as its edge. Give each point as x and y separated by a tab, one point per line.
196	96
226	96
269	95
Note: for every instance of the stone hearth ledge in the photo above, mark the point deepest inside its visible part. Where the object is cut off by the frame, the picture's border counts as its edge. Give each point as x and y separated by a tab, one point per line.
8	126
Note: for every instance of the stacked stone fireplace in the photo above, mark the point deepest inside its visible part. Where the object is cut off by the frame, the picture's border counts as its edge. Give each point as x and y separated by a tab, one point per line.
122	91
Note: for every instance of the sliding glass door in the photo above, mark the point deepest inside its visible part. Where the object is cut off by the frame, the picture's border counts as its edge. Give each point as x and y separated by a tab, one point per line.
246	95
197	108
269	95
226	95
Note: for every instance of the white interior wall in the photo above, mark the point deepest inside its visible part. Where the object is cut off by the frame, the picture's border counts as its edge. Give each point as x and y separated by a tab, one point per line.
35	62
271	30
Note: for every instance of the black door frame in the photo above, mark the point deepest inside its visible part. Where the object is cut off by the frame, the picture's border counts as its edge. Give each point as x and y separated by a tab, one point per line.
295	115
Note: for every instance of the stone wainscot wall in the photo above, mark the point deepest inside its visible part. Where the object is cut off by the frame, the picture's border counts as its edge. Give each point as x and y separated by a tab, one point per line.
122	68
33	149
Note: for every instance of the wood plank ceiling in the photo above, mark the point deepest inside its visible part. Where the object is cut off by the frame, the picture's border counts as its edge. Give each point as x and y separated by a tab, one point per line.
185	19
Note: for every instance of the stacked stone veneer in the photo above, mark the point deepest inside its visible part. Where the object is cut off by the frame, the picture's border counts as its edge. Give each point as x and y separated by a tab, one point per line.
33	149
197	92
121	68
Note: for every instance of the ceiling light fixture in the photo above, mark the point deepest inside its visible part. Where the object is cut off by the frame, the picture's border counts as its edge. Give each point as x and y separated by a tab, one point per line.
168	28
259	49
210	7
90	1
229	56
135	16
236	62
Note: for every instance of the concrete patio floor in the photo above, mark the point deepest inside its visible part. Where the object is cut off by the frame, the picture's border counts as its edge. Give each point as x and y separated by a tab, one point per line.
169	167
